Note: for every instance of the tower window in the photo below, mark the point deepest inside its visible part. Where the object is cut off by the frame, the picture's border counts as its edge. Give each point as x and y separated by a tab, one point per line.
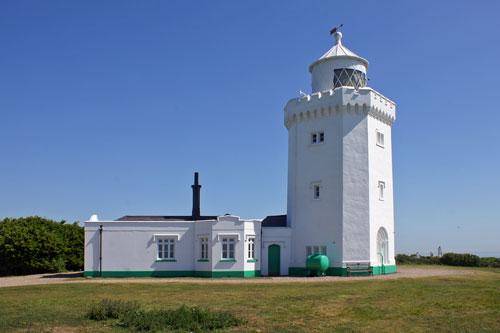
317	137
316	191
380	139
381	188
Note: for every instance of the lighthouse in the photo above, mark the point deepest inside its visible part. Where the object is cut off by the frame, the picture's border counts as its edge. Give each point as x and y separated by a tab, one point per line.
340	181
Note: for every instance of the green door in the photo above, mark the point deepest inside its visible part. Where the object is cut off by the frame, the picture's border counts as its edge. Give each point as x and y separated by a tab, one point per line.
273	262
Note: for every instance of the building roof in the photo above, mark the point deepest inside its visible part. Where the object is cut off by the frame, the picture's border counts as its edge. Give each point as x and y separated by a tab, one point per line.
339	51
164	218
274	221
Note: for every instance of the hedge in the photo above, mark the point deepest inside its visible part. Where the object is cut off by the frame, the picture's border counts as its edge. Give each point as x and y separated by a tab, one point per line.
35	245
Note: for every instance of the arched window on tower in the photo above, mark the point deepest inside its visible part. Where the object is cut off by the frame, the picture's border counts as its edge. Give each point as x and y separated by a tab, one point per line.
383	245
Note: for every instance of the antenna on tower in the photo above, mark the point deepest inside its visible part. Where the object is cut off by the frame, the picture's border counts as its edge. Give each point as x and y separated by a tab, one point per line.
334	30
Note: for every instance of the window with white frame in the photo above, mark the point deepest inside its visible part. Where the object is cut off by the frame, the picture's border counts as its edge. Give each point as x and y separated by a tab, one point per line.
315	249
204	248
380	139
251	248
381	188
316	191
166	248
228	247
317	137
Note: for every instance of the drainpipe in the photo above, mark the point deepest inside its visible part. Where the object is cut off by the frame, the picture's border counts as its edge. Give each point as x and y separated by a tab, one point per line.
100	251
383	268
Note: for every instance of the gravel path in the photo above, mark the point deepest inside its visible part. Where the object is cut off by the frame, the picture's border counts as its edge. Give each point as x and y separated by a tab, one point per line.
76	277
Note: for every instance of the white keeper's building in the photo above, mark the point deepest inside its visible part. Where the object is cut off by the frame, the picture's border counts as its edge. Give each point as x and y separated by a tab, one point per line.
340	197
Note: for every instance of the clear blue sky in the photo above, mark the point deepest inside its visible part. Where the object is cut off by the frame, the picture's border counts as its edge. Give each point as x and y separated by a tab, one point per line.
108	107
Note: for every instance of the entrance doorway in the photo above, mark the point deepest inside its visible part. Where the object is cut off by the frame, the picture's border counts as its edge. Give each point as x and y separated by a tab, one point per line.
273	260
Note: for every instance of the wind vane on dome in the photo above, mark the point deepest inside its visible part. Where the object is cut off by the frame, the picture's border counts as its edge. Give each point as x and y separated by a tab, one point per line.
334	30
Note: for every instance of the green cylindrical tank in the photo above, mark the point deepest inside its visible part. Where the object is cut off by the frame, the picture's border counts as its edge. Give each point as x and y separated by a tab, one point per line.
317	262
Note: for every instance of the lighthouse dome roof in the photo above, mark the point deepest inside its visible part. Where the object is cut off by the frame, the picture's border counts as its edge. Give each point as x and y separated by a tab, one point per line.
338	67
339	51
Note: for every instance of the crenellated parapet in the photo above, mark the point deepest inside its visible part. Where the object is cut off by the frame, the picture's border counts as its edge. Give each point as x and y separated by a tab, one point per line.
340	101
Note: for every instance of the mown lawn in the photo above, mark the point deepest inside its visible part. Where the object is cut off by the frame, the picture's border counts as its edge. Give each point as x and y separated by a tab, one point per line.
450	304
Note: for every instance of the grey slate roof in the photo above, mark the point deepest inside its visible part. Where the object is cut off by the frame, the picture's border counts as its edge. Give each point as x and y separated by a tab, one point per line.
164	218
274	221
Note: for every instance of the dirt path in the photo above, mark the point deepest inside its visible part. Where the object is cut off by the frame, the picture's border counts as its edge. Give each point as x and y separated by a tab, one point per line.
76	277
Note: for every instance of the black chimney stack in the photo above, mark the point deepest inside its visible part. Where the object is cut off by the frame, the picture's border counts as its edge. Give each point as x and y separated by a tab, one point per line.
196	197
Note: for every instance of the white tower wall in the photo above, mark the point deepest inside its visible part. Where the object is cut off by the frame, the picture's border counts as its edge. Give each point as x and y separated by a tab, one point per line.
348	167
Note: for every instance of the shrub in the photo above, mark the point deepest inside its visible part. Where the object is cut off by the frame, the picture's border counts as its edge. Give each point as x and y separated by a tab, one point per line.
37	245
490	262
130	315
110	309
460	259
423	260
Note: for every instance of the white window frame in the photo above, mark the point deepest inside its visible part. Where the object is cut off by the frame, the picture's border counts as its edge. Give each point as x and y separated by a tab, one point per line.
316	187
315	249
204	248
251	247
317	137
166	248
380	138
321	136
228	247
381	189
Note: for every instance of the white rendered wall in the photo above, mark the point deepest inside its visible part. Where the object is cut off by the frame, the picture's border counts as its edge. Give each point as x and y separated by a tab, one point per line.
315	222
341	219
281	236
131	246
381	211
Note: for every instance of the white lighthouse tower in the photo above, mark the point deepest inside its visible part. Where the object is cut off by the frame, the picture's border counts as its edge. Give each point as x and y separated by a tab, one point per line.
340	183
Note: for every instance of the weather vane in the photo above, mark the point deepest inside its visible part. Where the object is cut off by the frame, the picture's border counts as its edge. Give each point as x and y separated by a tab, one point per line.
334	30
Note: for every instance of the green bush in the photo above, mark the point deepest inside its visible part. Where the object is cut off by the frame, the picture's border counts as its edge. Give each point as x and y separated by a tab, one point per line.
34	245
423	260
192	319
490	262
110	309
460	259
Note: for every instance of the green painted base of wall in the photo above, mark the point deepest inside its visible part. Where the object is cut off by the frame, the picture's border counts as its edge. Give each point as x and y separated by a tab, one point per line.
342	271
211	274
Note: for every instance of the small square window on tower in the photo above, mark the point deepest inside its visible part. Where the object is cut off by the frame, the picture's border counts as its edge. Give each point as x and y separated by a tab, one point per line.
321	136
316	191
380	139
314	138
381	188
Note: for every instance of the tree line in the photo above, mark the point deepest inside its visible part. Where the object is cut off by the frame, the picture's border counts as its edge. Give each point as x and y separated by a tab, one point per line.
34	245
450	259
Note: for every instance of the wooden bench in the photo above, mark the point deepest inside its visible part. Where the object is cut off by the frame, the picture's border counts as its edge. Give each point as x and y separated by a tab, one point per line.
359	268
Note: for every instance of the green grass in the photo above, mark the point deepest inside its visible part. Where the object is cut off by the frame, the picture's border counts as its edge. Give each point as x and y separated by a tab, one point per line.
449	304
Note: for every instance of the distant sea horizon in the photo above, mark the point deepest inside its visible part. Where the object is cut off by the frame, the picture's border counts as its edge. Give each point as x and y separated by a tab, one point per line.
487	254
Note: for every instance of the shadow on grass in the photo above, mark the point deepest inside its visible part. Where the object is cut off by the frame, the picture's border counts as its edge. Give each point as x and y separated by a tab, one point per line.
66	275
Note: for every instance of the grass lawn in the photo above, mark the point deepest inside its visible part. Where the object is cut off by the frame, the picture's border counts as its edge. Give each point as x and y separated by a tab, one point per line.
451	303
